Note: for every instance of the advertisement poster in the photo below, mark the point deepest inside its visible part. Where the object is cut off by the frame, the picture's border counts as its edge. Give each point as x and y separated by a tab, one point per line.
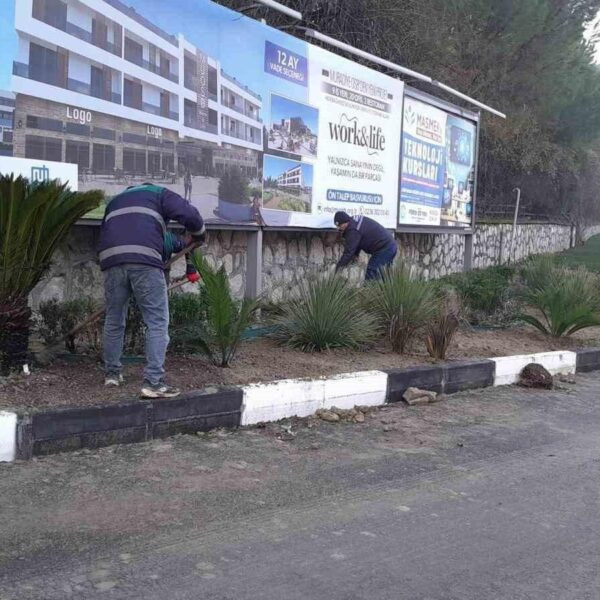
249	124
423	163
457	205
438	156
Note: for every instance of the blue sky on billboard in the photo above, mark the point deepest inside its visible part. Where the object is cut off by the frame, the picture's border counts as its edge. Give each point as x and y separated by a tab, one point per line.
283	108
8	40
235	40
274	166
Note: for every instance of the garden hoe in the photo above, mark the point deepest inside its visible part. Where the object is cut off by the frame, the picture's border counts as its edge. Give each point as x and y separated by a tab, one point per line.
45	356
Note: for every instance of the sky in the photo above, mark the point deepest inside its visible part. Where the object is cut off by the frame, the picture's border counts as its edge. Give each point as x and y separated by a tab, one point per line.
8	41
283	108
237	41
274	166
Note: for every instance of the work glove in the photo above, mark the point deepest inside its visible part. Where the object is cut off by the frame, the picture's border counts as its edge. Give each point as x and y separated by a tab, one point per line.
191	273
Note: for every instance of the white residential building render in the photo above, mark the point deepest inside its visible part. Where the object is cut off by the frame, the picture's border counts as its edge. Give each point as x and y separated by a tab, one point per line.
101	55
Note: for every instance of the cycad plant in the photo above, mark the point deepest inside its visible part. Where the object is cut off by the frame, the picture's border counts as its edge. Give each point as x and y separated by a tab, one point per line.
565	300
34	219
404	304
226	318
328	313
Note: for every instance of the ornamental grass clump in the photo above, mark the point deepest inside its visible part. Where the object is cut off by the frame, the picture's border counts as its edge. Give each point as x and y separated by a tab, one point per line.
403	304
563	301
328	313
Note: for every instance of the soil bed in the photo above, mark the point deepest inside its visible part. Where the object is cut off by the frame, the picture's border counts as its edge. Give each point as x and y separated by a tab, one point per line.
82	383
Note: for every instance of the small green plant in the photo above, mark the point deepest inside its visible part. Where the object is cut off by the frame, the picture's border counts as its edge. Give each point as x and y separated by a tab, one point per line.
188	316
233	187
226	317
56	319
403	303
565	300
443	326
328	313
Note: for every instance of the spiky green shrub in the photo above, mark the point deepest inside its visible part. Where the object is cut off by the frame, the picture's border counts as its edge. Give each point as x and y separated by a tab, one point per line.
34	220
564	300
226	318
403	303
328	313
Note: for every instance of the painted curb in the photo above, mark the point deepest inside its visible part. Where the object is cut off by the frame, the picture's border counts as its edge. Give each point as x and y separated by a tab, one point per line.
508	368
300	398
25	435
588	360
8	436
61	430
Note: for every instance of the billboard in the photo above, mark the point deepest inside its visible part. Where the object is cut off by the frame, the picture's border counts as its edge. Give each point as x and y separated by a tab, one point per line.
437	166
248	123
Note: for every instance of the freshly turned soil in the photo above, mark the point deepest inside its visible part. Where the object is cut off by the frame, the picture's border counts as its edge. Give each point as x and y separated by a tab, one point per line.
81	382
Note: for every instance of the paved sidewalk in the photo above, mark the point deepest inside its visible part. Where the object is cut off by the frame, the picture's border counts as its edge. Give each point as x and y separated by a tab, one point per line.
488	495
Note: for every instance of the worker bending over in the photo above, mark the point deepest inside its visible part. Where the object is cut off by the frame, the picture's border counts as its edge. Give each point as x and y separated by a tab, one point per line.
365	234
131	250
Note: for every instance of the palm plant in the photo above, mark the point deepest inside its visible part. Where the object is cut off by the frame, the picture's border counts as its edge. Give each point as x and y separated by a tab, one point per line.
226	318
34	219
403	303
328	313
566	300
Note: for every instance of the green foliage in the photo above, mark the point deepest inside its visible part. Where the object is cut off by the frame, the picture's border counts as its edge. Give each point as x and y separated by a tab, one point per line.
587	255
56	319
188	316
403	303
34	220
328	313
564	300
233	187
294	205
487	294
226	317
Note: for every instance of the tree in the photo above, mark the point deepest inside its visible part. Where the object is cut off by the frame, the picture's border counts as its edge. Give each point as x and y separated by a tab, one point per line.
34	219
527	57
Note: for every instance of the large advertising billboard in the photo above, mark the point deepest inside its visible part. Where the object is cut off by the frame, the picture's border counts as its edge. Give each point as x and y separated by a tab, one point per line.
248	123
437	166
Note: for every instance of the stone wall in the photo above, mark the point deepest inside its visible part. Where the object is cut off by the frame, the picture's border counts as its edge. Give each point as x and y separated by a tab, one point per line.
291	257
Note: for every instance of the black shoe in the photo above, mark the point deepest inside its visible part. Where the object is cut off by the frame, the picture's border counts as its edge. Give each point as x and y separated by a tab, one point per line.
159	390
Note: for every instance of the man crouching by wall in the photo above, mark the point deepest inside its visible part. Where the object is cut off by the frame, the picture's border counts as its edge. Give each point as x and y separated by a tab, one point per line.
131	252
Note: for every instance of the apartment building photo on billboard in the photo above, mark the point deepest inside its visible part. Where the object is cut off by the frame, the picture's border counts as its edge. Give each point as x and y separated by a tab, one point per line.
98	84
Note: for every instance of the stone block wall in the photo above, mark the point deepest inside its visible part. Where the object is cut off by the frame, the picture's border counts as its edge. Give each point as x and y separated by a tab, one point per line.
291	257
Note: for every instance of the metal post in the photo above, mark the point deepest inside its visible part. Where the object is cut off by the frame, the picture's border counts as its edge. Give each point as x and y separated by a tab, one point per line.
254	262
514	228
468	257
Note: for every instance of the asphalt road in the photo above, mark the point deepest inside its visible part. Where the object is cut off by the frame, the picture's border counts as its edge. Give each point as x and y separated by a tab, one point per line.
487	495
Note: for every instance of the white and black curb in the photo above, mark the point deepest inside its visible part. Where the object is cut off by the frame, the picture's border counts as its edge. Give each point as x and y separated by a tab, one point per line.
8	436
295	397
24	435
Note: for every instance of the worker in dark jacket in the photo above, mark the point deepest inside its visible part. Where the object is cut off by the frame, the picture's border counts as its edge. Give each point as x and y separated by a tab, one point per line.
131	253
365	234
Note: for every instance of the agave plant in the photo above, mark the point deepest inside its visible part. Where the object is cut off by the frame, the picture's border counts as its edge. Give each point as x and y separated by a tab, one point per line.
34	219
327	313
226	318
403	303
566	300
